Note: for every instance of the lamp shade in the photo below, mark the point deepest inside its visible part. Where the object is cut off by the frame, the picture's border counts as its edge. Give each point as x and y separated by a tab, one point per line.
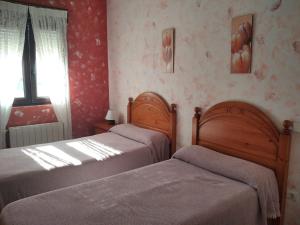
109	115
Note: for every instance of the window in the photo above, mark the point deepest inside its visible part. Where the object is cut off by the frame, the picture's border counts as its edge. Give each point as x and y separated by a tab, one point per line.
33	61
28	93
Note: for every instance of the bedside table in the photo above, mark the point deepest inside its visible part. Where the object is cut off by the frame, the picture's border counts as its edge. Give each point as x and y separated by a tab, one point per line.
102	127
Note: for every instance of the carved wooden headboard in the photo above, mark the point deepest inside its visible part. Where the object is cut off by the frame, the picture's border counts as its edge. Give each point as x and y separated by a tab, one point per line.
151	111
242	130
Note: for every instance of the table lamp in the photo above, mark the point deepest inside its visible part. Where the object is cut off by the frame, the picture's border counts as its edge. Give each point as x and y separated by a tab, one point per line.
110	117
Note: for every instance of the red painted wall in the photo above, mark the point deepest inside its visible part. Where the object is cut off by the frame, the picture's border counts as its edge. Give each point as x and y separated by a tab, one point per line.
88	72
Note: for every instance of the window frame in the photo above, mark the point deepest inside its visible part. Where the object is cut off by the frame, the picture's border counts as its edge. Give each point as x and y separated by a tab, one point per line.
29	71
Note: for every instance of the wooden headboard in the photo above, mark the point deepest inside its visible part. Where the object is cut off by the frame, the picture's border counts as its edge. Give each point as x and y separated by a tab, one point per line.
151	111
242	130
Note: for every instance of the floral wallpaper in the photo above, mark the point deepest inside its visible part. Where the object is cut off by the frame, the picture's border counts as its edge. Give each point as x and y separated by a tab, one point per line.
202	62
87	43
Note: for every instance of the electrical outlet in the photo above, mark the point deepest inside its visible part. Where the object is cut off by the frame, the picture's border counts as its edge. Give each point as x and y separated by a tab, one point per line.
296	126
292	195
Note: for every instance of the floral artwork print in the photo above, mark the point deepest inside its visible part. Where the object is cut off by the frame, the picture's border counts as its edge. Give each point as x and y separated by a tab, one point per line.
241	44
168	50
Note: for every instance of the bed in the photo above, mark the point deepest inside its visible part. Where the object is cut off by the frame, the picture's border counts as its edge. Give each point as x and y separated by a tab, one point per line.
242	130
234	173
149	137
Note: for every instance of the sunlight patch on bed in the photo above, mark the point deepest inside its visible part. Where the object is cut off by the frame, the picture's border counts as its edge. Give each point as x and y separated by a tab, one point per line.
59	154
36	156
50	157
94	149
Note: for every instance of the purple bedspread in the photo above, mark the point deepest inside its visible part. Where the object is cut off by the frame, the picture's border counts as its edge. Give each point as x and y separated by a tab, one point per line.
171	192
31	170
262	179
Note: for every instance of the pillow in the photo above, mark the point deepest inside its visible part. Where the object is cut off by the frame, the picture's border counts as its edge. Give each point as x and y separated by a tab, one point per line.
156	141
262	179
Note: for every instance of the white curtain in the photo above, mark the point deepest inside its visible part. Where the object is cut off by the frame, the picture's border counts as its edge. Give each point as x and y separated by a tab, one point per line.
13	19
50	33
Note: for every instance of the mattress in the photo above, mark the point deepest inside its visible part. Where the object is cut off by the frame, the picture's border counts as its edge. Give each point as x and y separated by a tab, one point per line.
32	170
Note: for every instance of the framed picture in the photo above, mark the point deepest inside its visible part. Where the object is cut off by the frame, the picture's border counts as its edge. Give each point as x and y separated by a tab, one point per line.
241	44
168	50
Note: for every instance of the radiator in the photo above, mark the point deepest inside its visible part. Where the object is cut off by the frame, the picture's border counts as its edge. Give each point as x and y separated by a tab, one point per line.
35	134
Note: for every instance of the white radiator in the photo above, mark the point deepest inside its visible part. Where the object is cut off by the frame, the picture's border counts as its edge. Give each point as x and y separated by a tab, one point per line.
35	134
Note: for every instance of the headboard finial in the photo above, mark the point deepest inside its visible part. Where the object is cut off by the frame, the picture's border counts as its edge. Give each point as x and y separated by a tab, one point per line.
129	110
287	126
173	107
196	122
197	112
